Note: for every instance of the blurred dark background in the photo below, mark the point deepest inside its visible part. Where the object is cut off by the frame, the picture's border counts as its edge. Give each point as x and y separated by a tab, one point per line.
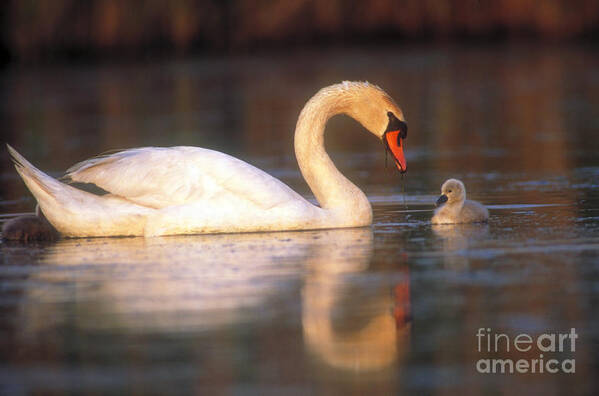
42	30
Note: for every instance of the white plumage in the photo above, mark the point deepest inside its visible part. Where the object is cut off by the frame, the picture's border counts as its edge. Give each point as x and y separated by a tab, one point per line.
158	177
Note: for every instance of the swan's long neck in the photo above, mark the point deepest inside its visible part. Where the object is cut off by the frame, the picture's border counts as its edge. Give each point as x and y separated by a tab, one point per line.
333	191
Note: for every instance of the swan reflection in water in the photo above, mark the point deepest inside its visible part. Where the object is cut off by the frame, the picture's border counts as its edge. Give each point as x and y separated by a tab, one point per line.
351	318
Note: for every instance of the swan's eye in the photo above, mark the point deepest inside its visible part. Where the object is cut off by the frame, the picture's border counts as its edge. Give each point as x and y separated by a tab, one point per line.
395	124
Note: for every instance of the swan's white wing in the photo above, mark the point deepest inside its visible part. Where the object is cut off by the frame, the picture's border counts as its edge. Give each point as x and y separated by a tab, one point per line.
159	177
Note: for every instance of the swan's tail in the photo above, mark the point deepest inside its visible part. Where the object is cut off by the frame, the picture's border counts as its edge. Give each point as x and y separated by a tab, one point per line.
42	186
74	212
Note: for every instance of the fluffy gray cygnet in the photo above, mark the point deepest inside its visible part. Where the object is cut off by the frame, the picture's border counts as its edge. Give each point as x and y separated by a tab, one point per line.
453	207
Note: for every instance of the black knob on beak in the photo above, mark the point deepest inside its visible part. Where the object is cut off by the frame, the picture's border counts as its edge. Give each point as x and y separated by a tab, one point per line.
442	199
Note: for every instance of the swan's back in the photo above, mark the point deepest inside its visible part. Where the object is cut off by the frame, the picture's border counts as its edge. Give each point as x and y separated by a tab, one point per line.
159	177
164	191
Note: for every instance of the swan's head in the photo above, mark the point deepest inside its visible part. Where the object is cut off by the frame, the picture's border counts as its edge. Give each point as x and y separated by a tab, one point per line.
378	113
452	191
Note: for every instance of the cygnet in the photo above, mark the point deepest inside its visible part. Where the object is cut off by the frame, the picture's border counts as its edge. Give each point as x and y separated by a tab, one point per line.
453	207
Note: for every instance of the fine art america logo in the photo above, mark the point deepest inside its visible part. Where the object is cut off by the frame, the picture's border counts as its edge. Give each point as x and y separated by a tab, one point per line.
525	353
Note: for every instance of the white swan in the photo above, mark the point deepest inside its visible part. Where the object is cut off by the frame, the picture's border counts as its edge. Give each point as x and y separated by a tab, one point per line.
190	190
455	208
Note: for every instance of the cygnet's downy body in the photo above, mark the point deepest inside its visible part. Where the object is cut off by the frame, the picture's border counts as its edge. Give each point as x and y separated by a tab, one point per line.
34	227
453	207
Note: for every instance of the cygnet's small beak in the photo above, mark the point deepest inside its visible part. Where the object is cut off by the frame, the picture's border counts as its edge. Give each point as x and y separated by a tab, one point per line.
442	199
394	144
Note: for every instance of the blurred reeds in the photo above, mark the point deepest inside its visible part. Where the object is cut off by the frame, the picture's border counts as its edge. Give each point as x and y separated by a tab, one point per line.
40	29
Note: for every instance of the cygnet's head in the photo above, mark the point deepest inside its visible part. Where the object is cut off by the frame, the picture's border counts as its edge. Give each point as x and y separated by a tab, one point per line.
452	191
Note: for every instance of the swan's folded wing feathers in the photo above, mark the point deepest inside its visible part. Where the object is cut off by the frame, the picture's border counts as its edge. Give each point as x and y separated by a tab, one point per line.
160	177
250	183
153	177
100	159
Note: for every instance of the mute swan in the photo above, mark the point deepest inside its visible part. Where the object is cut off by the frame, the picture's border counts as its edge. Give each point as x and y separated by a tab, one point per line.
190	190
455	208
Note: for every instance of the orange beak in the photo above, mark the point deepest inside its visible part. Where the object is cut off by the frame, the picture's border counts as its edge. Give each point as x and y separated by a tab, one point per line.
394	144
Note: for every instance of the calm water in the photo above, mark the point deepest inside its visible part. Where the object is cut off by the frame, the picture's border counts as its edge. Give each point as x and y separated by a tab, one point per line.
392	309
